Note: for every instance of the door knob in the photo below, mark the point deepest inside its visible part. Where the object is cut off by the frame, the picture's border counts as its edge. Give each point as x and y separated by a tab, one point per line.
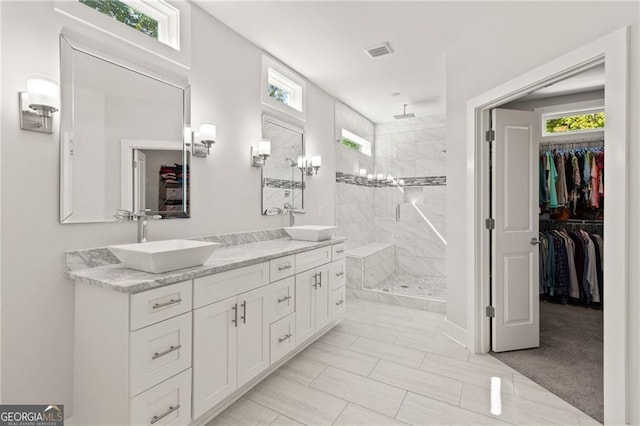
534	241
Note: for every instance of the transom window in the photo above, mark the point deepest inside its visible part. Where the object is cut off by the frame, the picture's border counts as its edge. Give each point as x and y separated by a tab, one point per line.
156	19
355	142
284	90
575	121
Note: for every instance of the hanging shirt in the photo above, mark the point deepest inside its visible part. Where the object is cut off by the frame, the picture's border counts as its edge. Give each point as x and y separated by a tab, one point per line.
542	196
595	185
552	177
600	163
561	183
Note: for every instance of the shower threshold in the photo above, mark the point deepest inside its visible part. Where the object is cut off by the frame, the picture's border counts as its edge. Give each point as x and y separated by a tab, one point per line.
421	286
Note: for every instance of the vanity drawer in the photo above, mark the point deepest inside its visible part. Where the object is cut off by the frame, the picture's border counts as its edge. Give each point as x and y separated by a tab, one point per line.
158	352
338	251
312	258
337	302
159	304
283	339
282	298
211	289
282	267
337	274
167	403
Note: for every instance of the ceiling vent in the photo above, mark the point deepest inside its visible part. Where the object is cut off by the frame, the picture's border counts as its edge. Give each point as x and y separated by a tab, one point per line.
379	50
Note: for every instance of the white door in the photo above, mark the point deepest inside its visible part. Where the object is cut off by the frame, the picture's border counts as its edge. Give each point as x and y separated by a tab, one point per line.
139	180
305	304
321	293
253	333
515	210
214	354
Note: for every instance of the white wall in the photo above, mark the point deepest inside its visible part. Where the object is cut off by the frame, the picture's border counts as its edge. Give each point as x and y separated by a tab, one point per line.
37	300
507	51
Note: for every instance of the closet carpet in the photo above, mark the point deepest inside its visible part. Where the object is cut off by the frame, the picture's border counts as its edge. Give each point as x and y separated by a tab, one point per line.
569	359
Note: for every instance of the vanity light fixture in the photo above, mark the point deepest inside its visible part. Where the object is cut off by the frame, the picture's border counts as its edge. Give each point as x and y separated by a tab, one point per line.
259	155
38	103
201	141
310	165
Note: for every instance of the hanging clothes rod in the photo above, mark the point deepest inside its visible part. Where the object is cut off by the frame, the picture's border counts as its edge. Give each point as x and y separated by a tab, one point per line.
578	143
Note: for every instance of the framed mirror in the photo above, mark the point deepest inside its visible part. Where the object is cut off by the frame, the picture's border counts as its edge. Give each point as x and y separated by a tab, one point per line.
121	138
282	180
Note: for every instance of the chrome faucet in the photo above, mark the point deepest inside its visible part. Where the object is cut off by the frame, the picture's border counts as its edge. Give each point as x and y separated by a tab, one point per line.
142	217
291	211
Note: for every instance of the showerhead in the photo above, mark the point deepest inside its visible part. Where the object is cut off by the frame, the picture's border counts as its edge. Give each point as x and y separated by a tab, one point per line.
404	114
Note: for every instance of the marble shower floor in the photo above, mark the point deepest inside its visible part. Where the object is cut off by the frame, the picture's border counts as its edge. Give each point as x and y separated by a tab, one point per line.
414	285
392	365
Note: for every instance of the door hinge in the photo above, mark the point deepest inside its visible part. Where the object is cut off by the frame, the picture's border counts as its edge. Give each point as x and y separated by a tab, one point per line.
135	164
490	135
490	223
490	311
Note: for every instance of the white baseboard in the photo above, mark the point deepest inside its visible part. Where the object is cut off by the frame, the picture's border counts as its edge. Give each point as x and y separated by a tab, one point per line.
455	332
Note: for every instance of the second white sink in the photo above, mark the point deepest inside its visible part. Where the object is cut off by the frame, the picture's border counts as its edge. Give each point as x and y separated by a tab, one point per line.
163	256
310	232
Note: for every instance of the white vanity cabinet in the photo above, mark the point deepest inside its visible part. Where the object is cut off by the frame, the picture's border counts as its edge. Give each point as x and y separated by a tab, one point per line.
312	302
132	356
230	337
179	354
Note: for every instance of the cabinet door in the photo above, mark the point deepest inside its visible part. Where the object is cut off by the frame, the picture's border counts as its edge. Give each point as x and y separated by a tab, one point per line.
337	303
305	305
322	291
254	318
338	276
214	354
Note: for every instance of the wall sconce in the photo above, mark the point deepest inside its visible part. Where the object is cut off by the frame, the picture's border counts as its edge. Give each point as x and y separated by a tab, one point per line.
38	103
259	155
201	140
309	166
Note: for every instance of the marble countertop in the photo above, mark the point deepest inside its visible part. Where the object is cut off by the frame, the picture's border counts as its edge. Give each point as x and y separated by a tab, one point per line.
119	278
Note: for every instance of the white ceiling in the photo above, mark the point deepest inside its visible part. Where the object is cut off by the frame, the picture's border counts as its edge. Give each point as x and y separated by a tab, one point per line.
325	42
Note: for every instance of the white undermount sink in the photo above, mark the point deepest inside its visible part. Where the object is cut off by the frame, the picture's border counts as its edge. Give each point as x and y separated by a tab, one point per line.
163	256
310	232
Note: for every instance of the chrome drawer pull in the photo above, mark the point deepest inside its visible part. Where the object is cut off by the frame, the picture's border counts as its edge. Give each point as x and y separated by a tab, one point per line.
169	303
339	274
284	299
234	321
286	337
168	351
339	251
282	268
165	414
339	303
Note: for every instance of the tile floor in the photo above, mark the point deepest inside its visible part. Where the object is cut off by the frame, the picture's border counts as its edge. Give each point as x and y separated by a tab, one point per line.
391	365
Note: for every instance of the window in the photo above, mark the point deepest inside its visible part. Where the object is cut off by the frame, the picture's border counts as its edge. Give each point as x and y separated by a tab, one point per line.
284	90
355	142
583	117
156	19
572	123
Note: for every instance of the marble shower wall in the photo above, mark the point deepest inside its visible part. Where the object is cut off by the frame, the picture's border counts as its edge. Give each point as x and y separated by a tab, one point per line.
412	148
354	203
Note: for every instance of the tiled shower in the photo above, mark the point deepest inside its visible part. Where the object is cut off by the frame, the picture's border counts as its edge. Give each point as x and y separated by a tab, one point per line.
394	213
